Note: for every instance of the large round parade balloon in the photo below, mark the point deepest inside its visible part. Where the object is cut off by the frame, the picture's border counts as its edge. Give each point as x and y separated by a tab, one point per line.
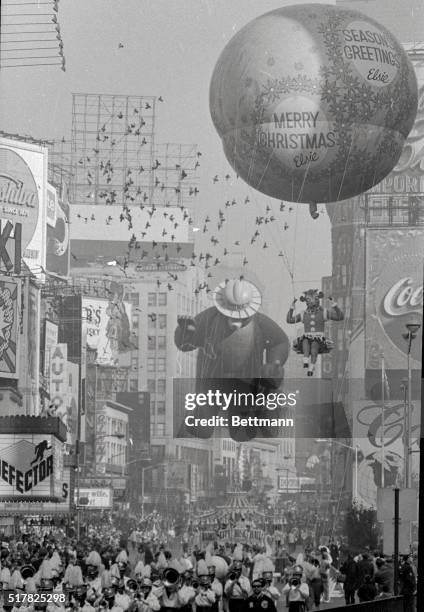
313	102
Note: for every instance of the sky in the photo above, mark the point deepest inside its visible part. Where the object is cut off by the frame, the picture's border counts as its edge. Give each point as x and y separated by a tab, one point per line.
170	49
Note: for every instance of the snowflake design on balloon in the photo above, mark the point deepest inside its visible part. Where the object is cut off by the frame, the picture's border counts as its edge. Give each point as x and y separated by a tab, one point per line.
360	101
344	139
337	109
351	83
330	91
325	72
389	146
274	89
365	98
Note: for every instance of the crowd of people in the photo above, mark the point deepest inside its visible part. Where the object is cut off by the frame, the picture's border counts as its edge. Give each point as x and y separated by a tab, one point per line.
371	576
291	523
133	570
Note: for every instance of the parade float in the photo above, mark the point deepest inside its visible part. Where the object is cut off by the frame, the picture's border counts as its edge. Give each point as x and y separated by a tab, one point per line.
313	103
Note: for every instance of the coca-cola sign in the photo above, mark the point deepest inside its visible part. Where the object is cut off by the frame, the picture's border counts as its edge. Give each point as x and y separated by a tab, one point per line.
19	201
403	298
394	295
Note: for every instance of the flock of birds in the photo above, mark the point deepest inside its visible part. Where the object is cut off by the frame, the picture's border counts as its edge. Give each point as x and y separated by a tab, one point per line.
213	233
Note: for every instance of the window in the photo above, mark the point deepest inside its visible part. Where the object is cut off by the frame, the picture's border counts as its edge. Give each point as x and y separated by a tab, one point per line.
160	407
400	215
162	299
161	385
161	342
151	320
162	321
151	364
151	299
134	299
134	363
151	343
161	364
133	384
134	321
151	385
159	429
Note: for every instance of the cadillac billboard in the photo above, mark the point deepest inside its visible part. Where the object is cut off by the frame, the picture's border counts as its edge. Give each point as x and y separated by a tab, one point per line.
23	195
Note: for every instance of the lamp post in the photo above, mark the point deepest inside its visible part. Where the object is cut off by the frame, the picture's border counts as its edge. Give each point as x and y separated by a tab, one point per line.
404	389
411	333
354	448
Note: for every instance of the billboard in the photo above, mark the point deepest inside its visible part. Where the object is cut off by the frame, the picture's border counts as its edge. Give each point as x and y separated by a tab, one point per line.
51	331
368	433
29	379
58	380
63	385
57	238
107	225
71	333
394	281
94	499
290	484
51	205
10	291
176	475
107	324
72	402
31	466
23	187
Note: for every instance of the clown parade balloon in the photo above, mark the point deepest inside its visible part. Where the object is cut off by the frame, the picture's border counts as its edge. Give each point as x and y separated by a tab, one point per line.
313	103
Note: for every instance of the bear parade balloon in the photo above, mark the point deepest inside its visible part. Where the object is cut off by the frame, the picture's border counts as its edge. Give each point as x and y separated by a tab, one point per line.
313	103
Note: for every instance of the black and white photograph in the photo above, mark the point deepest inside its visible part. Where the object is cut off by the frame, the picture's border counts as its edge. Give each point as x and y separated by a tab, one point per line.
211	300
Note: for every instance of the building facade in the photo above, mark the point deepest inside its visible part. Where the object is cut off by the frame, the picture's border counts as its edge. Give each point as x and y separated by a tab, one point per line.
378	240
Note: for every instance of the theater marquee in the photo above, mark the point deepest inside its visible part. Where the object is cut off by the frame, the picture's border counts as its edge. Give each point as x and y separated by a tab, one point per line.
30	467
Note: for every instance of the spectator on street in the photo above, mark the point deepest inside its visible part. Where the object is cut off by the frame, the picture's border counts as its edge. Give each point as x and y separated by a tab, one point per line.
350	570
383	576
367	591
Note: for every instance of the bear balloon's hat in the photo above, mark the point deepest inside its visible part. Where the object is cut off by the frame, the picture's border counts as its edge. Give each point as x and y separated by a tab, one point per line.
237	299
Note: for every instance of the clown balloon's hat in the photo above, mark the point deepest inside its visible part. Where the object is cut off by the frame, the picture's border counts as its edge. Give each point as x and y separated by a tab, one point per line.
238	299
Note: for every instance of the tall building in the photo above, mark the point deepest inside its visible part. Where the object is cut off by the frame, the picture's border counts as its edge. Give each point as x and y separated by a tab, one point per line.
155	362
377	241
